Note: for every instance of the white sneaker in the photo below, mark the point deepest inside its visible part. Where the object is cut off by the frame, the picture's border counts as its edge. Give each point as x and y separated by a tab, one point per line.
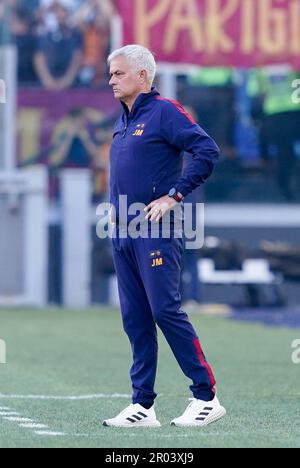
134	416
200	413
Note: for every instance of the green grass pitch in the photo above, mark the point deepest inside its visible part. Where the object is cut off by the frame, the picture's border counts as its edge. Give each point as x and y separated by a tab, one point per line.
65	353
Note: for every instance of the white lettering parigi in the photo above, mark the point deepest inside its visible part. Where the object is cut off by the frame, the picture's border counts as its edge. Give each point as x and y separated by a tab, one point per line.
270	26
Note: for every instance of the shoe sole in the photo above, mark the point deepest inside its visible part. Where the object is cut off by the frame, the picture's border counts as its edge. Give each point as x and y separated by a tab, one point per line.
212	419
138	424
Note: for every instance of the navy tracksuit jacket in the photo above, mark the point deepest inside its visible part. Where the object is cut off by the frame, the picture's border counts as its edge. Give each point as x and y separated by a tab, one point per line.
146	162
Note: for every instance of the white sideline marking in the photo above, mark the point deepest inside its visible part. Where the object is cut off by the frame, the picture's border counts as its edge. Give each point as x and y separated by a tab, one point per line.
94	435
33	426
65	398
13	419
27	423
4	408
24	423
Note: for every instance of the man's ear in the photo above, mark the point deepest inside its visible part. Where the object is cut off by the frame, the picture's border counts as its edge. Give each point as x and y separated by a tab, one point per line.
143	77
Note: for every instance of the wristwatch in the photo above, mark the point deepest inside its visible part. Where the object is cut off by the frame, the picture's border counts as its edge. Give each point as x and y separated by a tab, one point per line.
174	194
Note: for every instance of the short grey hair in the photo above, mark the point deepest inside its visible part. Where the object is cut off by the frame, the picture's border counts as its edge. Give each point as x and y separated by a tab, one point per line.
139	57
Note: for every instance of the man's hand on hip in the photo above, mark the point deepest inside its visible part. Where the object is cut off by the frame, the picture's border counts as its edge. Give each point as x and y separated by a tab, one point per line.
158	208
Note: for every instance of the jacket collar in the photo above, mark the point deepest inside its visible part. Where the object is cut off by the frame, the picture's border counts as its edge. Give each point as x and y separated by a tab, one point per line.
140	101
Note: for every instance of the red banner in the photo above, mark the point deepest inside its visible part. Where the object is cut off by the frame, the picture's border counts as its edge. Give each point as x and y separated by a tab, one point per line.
44	116
243	33
66	129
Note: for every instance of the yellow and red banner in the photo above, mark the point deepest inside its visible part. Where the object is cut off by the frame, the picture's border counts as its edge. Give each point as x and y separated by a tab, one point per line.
243	33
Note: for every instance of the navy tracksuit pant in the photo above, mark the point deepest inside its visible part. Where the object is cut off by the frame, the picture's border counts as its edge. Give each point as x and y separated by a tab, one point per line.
148	272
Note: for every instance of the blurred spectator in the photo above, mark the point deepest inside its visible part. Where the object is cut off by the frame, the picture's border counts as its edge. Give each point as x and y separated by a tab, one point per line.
25	42
31	6
93	19
212	93
102	9
59	52
281	122
47	13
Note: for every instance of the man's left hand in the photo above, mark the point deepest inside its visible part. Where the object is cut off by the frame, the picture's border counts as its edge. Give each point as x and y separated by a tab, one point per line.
158	208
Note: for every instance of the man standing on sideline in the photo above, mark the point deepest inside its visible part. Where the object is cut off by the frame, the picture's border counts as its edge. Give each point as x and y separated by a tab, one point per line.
146	166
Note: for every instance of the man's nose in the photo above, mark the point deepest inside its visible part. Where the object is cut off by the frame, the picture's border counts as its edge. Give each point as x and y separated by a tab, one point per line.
112	81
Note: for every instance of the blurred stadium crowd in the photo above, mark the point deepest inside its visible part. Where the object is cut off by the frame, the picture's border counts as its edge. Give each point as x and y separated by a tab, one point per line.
60	42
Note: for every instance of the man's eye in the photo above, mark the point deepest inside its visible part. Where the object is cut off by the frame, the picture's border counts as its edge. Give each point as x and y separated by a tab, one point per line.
116	74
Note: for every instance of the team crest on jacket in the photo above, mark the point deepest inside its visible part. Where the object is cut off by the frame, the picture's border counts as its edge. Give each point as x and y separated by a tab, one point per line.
139	130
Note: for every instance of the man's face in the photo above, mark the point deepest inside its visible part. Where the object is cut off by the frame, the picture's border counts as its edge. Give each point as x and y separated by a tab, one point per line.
62	15
125	82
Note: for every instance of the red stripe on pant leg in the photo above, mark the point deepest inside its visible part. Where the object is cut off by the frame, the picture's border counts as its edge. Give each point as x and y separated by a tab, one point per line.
204	363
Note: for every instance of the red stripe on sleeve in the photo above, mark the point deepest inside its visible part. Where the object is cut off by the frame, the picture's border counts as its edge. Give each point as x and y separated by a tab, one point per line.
179	108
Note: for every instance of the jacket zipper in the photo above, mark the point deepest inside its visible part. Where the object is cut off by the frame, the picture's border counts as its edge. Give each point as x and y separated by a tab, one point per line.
126	126
117	171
